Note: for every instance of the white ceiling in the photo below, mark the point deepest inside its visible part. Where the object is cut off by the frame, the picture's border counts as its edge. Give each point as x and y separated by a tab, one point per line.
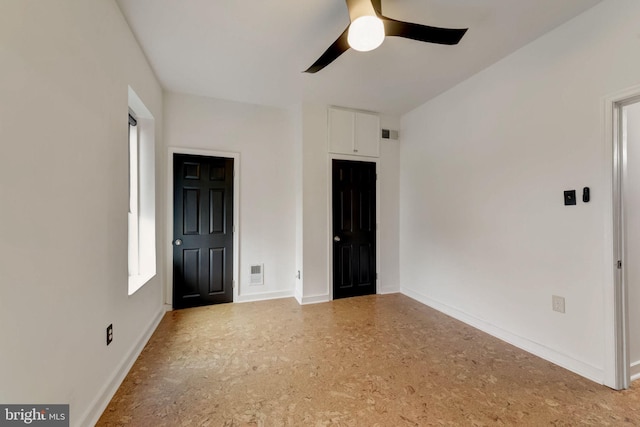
255	51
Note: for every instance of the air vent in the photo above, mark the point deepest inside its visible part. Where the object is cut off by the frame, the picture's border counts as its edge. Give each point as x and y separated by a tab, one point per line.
257	274
389	134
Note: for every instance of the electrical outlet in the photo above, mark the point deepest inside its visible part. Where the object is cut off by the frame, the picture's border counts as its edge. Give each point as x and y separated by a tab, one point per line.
557	303
109	334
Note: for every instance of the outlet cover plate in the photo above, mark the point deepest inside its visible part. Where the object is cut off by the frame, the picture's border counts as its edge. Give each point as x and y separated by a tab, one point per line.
109	334
557	303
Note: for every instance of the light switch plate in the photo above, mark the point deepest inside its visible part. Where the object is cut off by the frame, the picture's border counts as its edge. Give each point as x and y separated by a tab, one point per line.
570	197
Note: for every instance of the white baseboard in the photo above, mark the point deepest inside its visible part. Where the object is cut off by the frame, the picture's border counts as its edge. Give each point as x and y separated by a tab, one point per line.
388	290
262	296
315	299
99	404
634	370
577	366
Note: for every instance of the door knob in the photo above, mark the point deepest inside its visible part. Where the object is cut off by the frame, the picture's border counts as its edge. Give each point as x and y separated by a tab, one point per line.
337	238
177	242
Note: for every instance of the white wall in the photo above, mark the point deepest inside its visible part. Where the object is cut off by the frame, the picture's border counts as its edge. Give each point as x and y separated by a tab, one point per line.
315	200
264	137
296	117
66	66
284	194
316	219
389	205
484	233
632	232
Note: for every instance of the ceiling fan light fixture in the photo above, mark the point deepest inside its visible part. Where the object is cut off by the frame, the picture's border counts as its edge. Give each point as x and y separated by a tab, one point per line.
366	33
368	28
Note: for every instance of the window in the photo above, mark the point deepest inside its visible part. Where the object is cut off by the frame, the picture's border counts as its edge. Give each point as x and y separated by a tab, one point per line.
142	201
134	220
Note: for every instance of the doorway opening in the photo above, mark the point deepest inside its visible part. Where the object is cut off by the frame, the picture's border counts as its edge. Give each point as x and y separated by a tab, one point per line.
354	228
626	213
203	214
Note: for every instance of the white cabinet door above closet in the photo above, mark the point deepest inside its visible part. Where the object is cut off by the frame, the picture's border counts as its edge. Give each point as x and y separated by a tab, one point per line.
367	135
354	132
341	127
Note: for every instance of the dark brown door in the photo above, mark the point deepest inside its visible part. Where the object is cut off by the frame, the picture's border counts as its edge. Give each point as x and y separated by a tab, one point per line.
354	228
203	230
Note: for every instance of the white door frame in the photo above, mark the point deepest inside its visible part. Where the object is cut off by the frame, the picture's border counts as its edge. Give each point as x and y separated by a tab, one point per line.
616	369
236	216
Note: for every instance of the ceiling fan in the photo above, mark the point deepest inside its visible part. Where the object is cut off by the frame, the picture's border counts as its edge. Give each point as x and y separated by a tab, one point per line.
369	27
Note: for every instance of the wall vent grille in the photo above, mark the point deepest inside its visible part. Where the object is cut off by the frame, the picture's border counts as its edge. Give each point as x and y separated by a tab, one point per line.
389	134
257	274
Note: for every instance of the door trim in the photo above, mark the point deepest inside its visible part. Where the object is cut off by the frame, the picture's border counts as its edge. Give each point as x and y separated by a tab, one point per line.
168	298
330	158
616	321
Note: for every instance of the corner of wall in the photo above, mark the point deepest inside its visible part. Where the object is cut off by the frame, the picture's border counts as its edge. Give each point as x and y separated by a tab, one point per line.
100	403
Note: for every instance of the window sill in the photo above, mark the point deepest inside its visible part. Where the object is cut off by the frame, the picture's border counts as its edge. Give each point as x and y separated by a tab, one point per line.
136	282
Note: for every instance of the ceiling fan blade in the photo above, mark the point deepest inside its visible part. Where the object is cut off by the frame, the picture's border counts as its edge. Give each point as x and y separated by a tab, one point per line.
377	6
338	47
423	33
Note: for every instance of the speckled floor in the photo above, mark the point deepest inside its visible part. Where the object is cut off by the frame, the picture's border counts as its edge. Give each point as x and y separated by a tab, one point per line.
368	361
